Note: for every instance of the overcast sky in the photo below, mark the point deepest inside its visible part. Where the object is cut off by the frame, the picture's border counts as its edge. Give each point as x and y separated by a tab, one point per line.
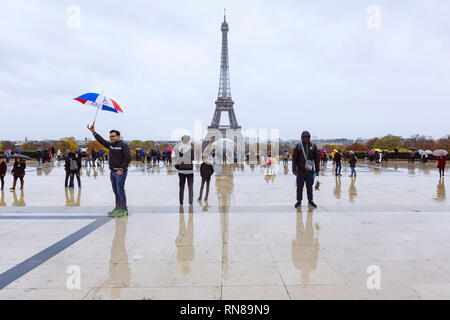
294	65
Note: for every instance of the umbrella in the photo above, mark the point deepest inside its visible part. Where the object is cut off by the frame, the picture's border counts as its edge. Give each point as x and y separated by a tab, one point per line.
39	149
371	152
20	156
378	150
17	150
284	149
440	153
421	152
137	149
324	150
169	149
428	152
412	148
100	102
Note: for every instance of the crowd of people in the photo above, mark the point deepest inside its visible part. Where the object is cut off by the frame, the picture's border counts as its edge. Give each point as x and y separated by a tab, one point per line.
306	163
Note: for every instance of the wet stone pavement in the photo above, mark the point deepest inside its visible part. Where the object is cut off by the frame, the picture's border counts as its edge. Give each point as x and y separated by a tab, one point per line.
246	242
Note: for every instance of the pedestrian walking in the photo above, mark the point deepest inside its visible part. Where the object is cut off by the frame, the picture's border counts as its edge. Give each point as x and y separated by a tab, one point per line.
305	163
441	165
352	162
18	172
337	159
119	159
184	156
206	171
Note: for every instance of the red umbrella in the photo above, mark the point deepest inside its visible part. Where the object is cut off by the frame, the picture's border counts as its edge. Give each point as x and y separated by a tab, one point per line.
169	149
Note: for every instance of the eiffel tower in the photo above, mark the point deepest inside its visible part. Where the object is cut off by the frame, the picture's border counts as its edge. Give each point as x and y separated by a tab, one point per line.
224	103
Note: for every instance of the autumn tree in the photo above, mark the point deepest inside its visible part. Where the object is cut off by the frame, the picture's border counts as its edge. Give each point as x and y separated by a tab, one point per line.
68	143
389	142
95	145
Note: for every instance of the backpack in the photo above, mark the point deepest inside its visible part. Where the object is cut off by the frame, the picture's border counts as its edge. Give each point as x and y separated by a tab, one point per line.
73	165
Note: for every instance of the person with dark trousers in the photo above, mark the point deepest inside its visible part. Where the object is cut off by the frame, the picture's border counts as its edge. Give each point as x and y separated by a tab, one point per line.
352	162
206	171
305	162
119	158
441	165
18	172
72	166
185	155
337	159
3	169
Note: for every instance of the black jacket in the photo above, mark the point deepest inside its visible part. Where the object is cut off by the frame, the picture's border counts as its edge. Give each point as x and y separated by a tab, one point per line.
206	170
353	160
19	169
298	160
337	157
119	153
2	168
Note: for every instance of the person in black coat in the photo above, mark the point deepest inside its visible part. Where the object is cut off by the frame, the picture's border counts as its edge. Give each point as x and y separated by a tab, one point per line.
72	165
337	159
305	162
18	172
3	169
206	171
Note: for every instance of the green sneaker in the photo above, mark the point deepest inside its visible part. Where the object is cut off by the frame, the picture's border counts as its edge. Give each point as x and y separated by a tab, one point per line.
122	213
113	213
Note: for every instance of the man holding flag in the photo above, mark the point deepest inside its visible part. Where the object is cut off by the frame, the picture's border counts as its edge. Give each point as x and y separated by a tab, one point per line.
119	159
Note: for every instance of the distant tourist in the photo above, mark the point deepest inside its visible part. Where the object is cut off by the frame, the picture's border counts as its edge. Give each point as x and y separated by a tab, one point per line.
396	153
185	155
18	172
286	157
119	159
441	165
305	162
72	166
337	159
2	172
352	161
206	171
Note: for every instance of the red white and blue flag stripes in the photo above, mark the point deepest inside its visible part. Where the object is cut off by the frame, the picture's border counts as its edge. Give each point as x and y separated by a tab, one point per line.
100	102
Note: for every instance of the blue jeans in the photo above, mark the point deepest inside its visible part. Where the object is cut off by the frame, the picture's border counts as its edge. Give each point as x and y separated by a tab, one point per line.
353	170
118	186
303	177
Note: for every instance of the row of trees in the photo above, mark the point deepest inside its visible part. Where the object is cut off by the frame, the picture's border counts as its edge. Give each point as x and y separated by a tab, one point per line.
390	142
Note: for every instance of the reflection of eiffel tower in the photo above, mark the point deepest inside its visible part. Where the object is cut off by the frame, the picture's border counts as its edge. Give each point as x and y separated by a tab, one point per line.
224	187
224	103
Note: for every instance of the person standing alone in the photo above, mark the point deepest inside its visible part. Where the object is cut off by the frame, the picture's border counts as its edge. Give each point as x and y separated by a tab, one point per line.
185	167
206	171
305	163
119	159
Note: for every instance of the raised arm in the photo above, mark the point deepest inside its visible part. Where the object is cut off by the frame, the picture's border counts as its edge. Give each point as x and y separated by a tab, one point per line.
98	137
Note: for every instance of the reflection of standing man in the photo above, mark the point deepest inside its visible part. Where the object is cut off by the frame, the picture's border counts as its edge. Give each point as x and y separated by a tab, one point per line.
119	268
305	162
185	241
305	247
352	189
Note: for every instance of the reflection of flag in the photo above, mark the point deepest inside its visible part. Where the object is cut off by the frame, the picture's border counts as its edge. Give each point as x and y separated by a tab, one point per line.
99	101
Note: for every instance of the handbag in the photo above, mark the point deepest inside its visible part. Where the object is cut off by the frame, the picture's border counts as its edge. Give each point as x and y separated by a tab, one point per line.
309	164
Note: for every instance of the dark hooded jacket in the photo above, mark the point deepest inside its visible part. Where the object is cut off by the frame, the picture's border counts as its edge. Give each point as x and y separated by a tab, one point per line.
119	153
298	159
